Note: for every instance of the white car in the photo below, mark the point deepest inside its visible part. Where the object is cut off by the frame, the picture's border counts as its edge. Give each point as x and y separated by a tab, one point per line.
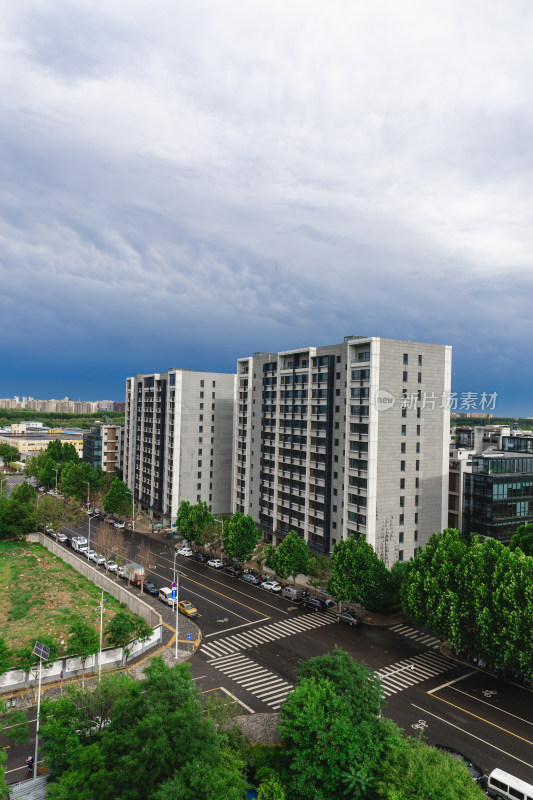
50	532
111	566
62	537
215	562
185	551
100	560
271	586
122	572
119	525
91	554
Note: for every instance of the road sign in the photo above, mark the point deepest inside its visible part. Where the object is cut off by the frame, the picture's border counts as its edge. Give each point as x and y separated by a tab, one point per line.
189	636
174	594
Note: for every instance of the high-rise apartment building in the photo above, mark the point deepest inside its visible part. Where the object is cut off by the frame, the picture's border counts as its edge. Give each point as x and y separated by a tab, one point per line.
178	440
102	447
347	439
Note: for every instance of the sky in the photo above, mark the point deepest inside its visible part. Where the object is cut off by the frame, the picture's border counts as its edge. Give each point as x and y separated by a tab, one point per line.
185	183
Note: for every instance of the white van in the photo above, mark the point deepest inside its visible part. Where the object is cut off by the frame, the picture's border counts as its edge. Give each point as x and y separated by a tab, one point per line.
292	593
165	595
79	544
503	786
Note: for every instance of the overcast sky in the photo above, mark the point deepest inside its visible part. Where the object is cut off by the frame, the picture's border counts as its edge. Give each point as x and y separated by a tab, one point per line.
184	183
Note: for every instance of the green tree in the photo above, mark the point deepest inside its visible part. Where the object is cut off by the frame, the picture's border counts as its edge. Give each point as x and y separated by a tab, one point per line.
523	538
74	478
427	774
358	575
15	517
24	492
183	520
156	743
271	789
83	642
8	453
290	558
68	453
195	522
118	498
126	627
240	536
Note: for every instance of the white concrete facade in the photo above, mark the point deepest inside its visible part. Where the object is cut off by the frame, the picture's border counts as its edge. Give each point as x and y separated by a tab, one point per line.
178	440
346	439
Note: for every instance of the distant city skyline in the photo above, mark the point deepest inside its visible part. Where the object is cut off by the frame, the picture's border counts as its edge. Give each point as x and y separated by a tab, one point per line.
187	187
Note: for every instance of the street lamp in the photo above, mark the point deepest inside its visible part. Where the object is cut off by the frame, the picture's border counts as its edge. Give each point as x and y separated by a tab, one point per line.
88	506
101	627
56	471
43	654
132	510
175	588
1	482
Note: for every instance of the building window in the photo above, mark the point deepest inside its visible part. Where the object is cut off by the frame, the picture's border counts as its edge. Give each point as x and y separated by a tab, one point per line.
200	428
416	536
402	447
405	376
198	498
335	475
417	465
418	413
417	481
337	426
418	430
418	447
402	466
402	500
419	361
214	384
337	409
334	492
416	499
201	405
404	412
199	476
201	394
405	358
336	442
404	430
419	377
201	418
201	383
338	359
402	483
199	463
400	555
416	518
400	537
198	486
401	519
213	395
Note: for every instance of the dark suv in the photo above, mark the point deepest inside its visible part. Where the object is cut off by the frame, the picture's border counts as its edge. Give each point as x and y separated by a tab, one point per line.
236	572
314	604
197	556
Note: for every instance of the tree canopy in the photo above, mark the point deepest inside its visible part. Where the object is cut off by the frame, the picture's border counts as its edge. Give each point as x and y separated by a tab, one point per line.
358	575
118	499
240	536
195	522
138	740
523	539
290	558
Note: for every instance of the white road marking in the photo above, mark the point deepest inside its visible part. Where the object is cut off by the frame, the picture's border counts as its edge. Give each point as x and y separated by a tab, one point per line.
237	700
472	735
455	680
235	627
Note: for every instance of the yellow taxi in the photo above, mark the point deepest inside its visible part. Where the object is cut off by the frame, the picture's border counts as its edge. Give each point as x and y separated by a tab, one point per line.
187	608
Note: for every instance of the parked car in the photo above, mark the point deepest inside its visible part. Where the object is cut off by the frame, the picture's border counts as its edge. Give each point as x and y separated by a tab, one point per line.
271	586
111	565
251	577
62	537
122	572
314	604
235	572
165	595
198	556
185	551
292	593
119	525
187	608
476	773
215	562
90	553
50	531
149	588
348	618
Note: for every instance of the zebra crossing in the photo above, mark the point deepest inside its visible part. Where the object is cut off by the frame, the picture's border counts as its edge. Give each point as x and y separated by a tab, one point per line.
410	671
417	636
266	633
260	682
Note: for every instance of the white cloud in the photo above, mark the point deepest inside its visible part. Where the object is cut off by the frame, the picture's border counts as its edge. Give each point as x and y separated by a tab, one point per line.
168	155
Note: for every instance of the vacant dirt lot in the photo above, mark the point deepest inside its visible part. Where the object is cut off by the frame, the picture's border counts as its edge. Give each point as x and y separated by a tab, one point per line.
40	594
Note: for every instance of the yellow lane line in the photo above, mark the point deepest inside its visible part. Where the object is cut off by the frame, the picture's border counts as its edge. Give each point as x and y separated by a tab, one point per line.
482	719
227	597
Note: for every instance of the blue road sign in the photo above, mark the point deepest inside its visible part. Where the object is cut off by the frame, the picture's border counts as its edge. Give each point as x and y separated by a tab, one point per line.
174	594
189	636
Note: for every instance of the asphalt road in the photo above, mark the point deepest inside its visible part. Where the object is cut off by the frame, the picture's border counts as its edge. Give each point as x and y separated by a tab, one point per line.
253	641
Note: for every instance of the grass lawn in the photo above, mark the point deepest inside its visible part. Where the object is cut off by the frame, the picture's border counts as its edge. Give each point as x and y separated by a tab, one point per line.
40	594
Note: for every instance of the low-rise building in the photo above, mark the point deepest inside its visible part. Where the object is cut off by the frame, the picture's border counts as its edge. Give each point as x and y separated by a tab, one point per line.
103	447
